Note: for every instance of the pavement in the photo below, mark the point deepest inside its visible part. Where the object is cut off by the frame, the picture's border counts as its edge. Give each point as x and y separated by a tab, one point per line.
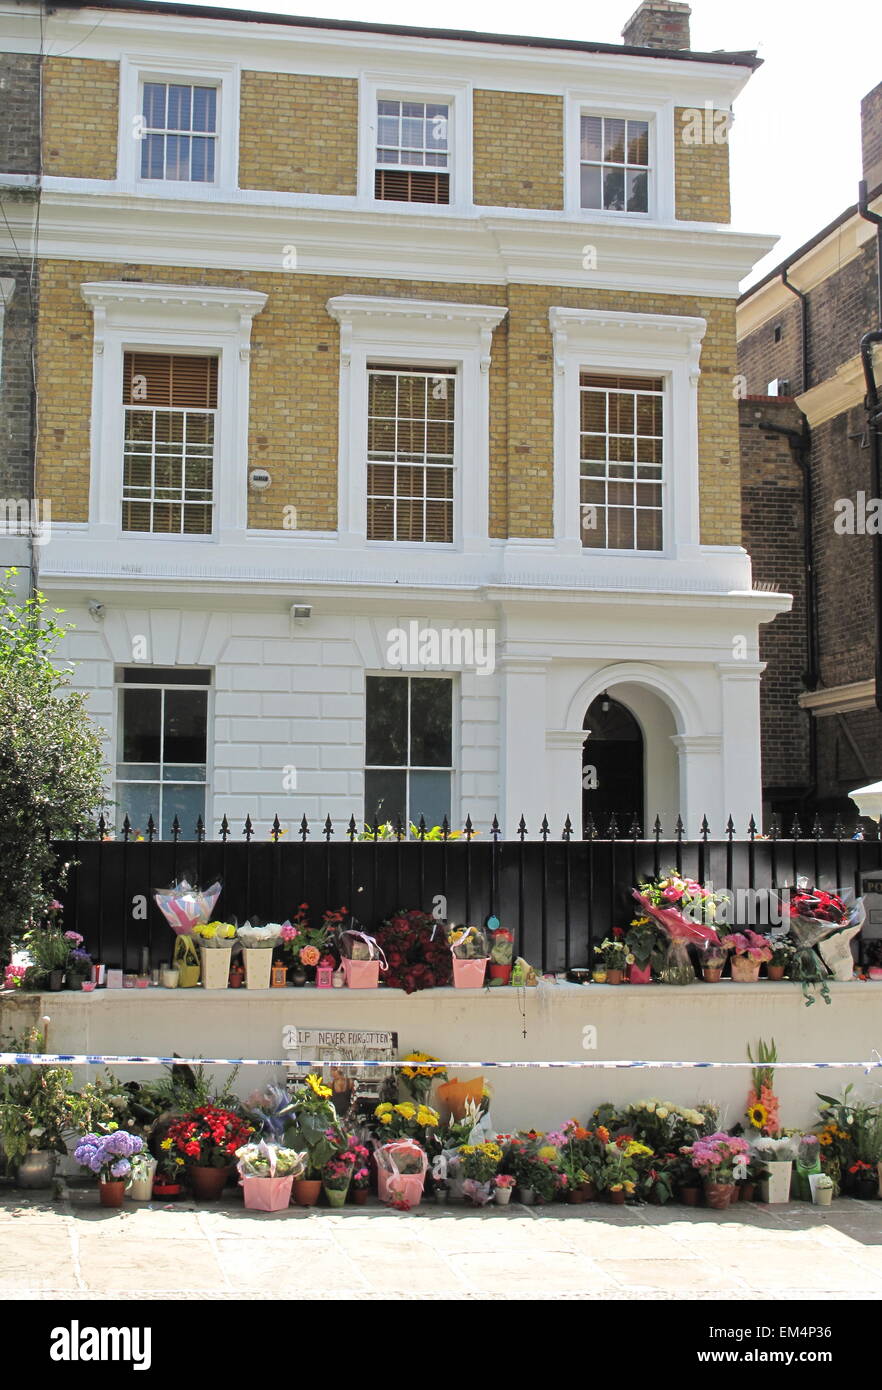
72	1248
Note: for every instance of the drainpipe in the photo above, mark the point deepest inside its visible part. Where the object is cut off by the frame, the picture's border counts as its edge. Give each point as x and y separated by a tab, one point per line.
874	423
800	445
803	300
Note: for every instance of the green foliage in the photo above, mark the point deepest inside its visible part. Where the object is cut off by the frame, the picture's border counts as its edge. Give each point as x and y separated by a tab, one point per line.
36	1103
51	765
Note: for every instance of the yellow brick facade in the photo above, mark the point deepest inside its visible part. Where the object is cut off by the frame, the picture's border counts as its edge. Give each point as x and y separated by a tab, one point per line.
518	149
701	169
80	117
294	392
298	134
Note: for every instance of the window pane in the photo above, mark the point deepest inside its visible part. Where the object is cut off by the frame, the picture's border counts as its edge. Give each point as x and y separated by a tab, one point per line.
186	714
152	152
138	803
431	723
591	186
185	802
638	142
385	796
140	719
179	105
138	772
592	136
386	721
620	523
154	105
429	797
205	108
649	530
614	190
638	198
614	141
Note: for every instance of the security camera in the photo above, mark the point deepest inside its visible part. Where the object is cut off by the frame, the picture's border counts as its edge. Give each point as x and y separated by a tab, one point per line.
96	609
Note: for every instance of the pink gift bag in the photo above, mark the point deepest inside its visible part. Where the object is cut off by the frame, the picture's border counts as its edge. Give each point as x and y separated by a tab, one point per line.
401	1172
469	974
267	1194
361	974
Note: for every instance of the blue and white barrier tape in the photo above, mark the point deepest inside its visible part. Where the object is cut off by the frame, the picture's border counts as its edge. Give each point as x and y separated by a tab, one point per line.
78	1059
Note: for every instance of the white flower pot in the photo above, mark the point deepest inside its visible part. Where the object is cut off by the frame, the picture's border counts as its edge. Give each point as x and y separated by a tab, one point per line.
258	964
776	1185
216	966
140	1189
502	1196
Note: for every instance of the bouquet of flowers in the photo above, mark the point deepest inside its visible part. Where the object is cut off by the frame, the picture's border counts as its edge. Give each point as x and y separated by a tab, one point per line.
313	1118
357	945
762	1103
263	1160
420	1075
253	937
108	1155
821	925
719	1157
209	1136
614	953
405	1121
478	1166
183	906
468	943
215	934
685	911
416	951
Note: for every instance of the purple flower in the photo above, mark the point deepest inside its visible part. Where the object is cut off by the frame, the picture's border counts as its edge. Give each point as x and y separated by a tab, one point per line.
73	936
121	1168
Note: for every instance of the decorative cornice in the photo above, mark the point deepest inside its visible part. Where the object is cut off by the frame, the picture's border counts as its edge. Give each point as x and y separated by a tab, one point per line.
840	699
670	330
346	308
245	303
839	392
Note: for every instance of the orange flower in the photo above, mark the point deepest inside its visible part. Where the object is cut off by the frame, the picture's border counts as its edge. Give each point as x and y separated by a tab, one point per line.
602	1134
310	955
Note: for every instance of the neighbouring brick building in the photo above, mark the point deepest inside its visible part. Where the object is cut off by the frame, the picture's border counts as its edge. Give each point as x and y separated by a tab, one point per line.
798	356
19	180
353	335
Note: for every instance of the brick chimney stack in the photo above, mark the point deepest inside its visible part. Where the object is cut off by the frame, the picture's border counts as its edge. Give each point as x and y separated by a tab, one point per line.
871	137
658	24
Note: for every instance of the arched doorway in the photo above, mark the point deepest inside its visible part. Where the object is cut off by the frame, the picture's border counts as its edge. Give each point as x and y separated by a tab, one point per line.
612	766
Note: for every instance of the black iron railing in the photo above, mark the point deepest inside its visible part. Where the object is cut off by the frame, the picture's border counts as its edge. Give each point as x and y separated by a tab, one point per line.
560	896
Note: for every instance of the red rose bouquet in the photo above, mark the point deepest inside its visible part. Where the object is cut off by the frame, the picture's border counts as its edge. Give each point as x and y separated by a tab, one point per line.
416	951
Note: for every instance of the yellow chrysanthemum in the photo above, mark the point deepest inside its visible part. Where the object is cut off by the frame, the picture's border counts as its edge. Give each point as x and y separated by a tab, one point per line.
547	1151
427	1117
406	1110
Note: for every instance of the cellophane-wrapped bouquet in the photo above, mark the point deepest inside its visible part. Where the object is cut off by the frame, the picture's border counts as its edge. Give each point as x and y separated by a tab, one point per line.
685	911
185	907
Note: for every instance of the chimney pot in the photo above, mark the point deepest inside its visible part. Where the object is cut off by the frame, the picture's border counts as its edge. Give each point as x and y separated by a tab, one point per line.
658	24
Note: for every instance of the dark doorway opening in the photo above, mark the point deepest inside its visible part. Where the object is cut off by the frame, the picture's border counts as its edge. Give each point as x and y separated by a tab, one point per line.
612	767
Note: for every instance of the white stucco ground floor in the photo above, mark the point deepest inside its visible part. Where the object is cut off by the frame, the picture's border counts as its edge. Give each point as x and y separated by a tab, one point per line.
554	1022
340	699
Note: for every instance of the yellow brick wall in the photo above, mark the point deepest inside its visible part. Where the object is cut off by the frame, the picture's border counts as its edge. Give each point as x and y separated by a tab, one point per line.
294	392
518	150
701	171
80	117
298	134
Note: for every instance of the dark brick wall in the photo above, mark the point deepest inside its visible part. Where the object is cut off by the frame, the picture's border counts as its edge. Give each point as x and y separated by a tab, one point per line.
658	24
773	528
871	136
840	311
16	389
19	113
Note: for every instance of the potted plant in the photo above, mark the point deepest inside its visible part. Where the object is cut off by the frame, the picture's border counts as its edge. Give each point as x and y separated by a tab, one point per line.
617	1173
49	949
142	1176
479	1166
79	963
823	1188
713	957
685	911
441	1189
266	1173
469	954
207	1138
336	1177
169	1171
312	1128
361	1175
501	952
420	1073
641	942
749	951
778	962
216	944
503	1186
778	1157
37	1109
864	1179
717	1158
748	1185
615	957
257	945
109	1155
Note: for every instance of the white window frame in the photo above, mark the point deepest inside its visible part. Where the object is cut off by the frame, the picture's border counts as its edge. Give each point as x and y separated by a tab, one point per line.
662	480
650	345
120	685
426	333
455	750
445	375
134	72
133	317
457	96
659	112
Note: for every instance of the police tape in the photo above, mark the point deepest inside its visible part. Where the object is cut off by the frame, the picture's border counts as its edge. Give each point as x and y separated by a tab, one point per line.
82	1059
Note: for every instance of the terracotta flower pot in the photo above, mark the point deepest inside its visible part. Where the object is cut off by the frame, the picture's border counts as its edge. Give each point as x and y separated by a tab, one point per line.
747	1192
719	1194
614	977
306	1191
359	1195
166	1191
712	974
208	1183
590	1191
575	1196
111	1193
617	1198
689	1196
745	970
775	972
502	973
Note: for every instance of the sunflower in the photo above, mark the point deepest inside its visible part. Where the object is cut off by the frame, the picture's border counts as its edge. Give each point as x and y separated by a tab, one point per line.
758	1115
317	1087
